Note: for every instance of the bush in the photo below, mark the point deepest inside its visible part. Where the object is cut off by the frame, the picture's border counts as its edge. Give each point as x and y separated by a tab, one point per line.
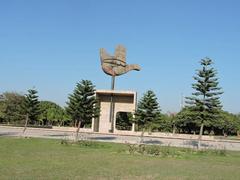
141	149
153	150
167	151
84	144
89	144
65	142
220	152
131	148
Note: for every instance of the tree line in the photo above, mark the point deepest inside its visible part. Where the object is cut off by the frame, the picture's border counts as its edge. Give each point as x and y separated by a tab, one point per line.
18	109
202	114
14	107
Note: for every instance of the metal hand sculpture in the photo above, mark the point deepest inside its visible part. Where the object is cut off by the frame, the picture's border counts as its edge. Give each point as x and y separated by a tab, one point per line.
116	65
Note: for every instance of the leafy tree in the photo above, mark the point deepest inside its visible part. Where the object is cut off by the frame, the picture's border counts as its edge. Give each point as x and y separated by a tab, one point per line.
205	102
31	107
238	125
52	113
57	115
168	123
83	105
2	109
229	123
10	107
185	121
148	113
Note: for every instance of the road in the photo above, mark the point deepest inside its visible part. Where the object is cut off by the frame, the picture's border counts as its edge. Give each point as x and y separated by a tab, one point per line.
233	145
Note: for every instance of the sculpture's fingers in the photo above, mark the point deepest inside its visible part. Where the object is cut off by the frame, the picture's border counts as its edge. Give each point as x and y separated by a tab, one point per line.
120	53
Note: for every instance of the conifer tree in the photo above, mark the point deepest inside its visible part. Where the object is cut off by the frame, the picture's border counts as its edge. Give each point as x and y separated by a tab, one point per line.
205	101
148	113
31	107
83	105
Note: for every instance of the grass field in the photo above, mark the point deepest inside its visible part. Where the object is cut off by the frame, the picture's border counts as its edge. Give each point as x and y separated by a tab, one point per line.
49	159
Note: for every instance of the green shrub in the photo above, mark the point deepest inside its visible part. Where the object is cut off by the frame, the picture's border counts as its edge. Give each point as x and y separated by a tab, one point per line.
153	150
220	152
167	151
141	148
89	144
131	148
65	142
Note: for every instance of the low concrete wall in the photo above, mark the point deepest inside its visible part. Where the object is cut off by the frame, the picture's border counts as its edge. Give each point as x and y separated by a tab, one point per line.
133	133
57	128
162	134
146	134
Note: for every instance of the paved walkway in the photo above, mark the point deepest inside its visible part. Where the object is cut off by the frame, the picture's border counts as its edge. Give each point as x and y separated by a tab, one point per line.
177	142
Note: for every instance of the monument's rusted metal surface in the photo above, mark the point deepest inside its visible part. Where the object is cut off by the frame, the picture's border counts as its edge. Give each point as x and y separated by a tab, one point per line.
115	66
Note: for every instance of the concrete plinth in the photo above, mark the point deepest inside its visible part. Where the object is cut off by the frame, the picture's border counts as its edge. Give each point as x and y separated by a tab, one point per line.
124	101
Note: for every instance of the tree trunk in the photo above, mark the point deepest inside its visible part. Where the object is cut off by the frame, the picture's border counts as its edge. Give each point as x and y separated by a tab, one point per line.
75	123
200	136
26	123
224	133
77	131
141	138
174	129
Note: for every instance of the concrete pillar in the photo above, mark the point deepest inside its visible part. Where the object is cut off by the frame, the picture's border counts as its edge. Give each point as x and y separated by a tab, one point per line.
133	127
92	127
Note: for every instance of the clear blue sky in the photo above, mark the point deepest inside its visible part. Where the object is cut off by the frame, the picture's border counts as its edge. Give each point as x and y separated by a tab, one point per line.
53	44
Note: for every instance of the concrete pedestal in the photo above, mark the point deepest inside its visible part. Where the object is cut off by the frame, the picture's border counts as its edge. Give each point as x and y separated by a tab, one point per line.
124	101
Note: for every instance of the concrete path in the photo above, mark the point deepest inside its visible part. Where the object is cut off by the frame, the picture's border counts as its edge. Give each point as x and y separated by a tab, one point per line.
177	142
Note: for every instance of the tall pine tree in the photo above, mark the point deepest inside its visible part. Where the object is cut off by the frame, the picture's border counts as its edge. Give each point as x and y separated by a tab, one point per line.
83	105
205	101
148	113
31	107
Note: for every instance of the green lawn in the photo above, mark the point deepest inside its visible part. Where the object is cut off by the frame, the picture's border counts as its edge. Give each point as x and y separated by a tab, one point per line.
49	159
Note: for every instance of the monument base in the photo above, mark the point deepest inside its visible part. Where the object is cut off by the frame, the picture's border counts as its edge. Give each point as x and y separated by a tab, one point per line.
123	101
